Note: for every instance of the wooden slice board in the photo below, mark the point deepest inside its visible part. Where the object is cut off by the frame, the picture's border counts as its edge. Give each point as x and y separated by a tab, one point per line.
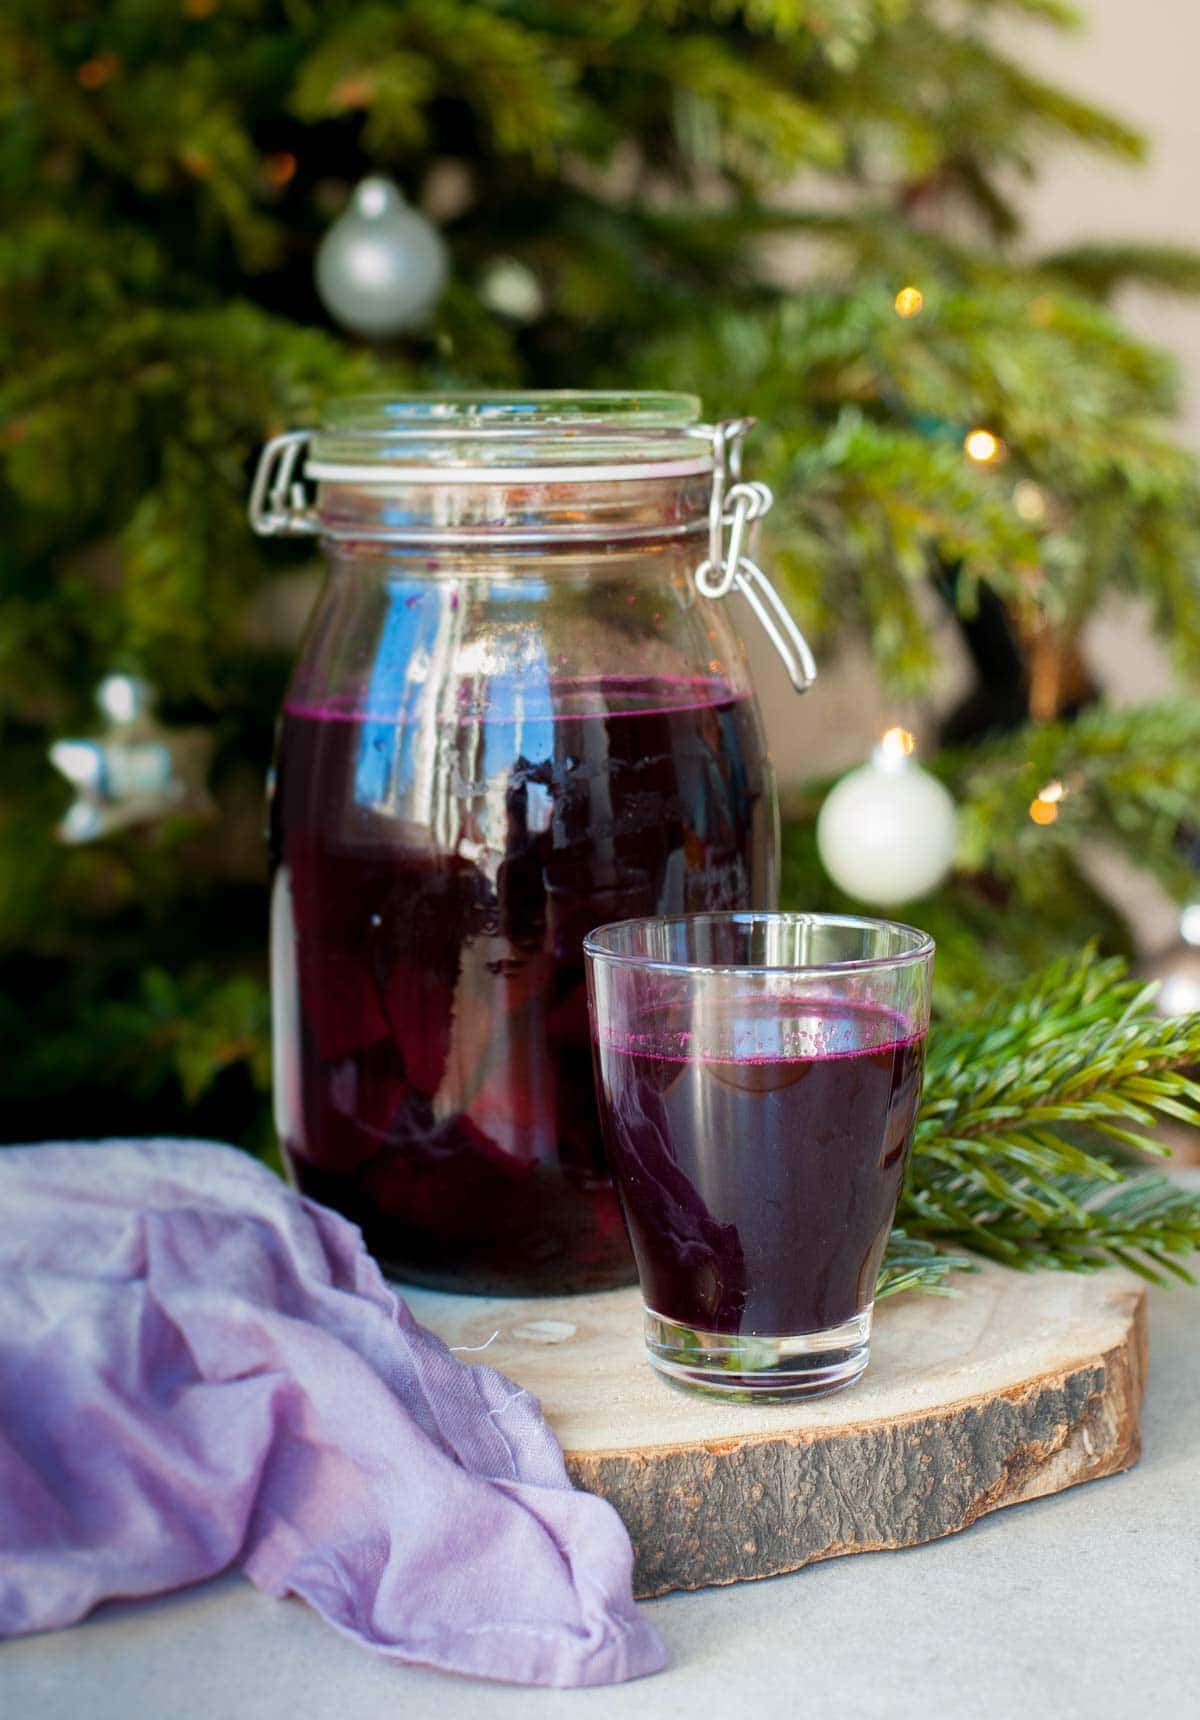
1022	1385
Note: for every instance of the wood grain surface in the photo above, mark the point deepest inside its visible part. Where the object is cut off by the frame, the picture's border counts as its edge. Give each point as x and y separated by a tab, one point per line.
1019	1386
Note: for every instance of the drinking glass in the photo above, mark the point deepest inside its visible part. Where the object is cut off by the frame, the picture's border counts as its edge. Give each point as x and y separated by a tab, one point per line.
758	1078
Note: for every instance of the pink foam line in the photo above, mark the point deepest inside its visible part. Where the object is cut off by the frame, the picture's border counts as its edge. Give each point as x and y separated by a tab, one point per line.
630	1049
716	693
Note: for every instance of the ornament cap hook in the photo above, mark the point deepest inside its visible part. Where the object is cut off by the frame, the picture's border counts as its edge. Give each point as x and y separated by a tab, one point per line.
376	196
124	699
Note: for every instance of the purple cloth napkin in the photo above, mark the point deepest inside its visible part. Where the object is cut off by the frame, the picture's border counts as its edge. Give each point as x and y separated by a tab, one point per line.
200	1369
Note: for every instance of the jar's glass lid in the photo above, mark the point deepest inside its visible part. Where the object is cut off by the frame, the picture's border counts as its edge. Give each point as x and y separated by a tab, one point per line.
381	439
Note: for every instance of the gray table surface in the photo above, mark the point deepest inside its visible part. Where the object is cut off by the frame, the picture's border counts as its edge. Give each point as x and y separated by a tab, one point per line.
1086	1604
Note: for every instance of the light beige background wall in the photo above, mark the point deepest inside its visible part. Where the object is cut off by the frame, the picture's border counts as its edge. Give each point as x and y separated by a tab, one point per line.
1139	58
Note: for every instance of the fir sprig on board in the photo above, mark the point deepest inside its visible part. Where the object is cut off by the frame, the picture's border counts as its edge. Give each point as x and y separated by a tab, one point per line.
1028	1106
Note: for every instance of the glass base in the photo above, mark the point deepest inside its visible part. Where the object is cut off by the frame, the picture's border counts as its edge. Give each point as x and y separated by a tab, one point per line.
759	1369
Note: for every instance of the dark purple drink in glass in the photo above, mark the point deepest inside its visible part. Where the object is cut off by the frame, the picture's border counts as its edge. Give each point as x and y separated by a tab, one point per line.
759	1078
813	1150
433	1052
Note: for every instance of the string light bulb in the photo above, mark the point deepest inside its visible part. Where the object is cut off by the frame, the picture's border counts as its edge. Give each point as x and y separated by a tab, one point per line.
909	301
279	168
93	74
1029	499
982	447
896	744
1044	808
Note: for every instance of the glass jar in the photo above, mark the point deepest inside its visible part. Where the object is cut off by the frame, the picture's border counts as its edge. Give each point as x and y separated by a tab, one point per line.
515	715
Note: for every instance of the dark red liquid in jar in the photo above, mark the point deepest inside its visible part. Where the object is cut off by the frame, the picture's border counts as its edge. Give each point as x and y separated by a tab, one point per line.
760	1189
433	884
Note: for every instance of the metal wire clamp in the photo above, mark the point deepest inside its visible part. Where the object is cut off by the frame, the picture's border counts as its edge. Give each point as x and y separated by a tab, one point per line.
279	504
728	566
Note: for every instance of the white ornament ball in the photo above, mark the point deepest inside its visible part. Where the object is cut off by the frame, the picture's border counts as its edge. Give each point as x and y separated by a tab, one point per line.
887	831
381	266
511	289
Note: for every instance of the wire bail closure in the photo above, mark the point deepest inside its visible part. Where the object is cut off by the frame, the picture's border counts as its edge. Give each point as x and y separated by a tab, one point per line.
728	566
280	506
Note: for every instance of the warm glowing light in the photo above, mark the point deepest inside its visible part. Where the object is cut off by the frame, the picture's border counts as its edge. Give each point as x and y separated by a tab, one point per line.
198	162
278	169
897	743
982	446
199	8
1044	810
909	301
1029	499
97	71
355	91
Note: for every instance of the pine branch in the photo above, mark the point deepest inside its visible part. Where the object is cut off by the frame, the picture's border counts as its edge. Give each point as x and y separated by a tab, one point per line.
195	391
740	115
911	1263
1013	1151
1100	269
392	64
1060	13
866	414
1128	777
1146	1225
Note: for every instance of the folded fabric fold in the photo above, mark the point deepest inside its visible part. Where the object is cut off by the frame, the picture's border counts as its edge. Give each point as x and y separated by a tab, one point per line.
198	1369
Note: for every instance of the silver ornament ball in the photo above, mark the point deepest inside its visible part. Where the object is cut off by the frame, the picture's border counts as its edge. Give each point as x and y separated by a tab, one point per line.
511	289
382	265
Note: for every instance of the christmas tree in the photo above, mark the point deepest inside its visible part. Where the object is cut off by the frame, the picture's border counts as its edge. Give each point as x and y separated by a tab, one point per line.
799	209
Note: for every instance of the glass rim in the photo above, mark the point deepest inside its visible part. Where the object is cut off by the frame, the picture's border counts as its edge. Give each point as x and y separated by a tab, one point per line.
510	436
512	412
922	947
